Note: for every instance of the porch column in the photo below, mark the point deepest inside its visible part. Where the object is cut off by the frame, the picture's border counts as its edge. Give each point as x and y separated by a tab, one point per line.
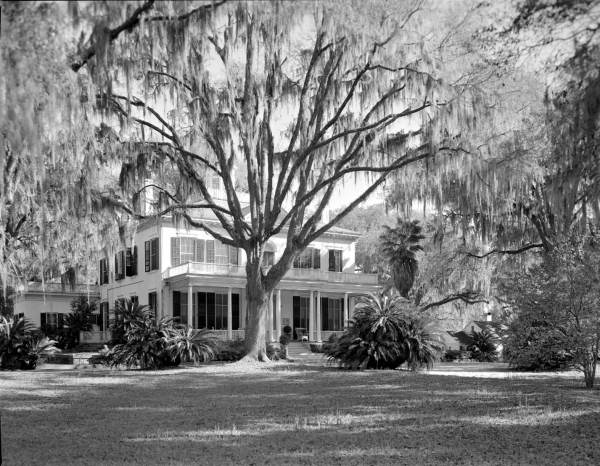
311	317
278	315
190	306
229	316
319	326
352	304
270	319
346	310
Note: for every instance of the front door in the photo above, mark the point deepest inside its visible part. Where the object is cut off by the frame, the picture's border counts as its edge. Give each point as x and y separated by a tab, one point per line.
300	315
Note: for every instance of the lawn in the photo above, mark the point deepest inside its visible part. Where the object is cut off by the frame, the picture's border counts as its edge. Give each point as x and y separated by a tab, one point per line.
286	414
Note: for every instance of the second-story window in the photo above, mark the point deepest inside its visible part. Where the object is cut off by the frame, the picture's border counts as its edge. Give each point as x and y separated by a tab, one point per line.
268	259
151	254
185	250
309	259
335	260
120	265
131	262
103	271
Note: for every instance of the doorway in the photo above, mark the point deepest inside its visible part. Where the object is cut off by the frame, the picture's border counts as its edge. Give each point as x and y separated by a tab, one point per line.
300	316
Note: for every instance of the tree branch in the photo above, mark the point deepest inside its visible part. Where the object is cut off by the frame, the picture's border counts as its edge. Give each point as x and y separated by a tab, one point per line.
507	251
468	297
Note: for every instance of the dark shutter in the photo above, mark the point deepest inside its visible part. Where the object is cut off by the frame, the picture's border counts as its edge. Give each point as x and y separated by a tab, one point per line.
154	254
331	260
175	249
176	306
325	314
43	321
116	266
201	310
210	311
134	260
235	311
147	255
60	321
316	259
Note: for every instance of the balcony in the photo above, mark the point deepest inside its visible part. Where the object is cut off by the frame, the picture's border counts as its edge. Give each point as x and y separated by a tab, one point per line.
201	268
58	288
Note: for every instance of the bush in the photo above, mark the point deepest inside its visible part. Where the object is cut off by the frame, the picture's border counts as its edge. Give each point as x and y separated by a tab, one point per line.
152	344
452	355
483	348
317	347
78	320
20	347
383	335
275	352
230	350
536	350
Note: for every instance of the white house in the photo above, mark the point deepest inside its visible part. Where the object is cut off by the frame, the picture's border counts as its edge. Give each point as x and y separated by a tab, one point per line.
45	305
186	274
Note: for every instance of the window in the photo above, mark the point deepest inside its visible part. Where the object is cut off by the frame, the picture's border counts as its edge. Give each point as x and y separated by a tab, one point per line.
310	258
51	322
184	250
268	259
131	262
120	265
300	314
153	302
134	299
212	311
103	318
103	271
335	260
332	314
180	307
151	254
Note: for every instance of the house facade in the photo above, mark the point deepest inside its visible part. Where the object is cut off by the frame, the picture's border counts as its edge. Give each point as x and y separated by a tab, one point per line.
46	304
186	274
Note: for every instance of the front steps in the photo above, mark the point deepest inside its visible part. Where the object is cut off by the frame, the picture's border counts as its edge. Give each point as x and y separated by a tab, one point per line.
300	352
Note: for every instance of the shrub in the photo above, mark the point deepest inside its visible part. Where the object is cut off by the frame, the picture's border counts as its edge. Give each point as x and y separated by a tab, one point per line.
20	347
230	350
152	344
275	352
78	320
483	348
383	335
317	347
452	355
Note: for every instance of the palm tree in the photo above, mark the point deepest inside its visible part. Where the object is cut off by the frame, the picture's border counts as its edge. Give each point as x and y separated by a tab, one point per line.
384	335
80	319
483	347
399	246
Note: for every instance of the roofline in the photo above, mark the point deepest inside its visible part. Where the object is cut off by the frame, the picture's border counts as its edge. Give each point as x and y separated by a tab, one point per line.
152	222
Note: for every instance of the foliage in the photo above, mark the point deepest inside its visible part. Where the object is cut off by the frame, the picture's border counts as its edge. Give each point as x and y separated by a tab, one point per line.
557	304
80	319
230	350
20	348
383	335
483	348
126	313
399	246
152	344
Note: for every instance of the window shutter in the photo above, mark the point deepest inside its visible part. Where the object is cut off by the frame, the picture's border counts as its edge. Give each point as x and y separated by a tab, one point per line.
331	260
201	310
147	255
60	321
233	256
134	261
176	304
316	259
43	321
235	311
175	249
101	268
210	251
325	314
116	266
154	264
200	250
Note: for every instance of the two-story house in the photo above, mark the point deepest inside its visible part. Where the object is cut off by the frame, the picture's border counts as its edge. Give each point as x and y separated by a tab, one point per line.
188	275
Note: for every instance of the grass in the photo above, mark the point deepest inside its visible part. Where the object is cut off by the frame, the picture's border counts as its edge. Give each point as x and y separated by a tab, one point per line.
286	414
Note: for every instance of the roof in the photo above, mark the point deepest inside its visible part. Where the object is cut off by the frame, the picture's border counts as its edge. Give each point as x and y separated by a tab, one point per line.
463	337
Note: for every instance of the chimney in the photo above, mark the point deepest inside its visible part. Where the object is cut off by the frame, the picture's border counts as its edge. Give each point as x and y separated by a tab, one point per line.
488	317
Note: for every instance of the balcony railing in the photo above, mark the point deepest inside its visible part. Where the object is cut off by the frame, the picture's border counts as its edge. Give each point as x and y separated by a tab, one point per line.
60	288
200	268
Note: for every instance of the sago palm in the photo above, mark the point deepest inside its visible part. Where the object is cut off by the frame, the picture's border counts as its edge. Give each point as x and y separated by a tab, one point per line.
399	246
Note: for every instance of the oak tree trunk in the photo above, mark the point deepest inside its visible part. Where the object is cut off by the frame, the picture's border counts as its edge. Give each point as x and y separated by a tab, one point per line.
257	308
